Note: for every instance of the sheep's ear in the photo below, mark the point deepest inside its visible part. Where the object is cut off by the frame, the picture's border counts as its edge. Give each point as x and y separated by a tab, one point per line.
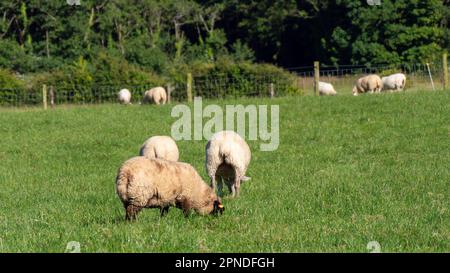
245	178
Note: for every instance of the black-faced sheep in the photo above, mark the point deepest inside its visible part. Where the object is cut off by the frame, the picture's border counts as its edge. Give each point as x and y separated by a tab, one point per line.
156	183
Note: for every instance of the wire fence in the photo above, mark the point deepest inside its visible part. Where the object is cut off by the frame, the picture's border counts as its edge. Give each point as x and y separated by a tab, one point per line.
226	86
344	77
300	82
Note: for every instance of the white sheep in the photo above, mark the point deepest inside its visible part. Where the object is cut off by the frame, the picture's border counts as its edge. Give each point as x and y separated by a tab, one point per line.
162	147
394	82
326	89
157	183
370	84
227	158
157	95
124	96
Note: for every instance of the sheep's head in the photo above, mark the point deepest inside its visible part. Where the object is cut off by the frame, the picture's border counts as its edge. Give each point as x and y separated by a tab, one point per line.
212	205
218	207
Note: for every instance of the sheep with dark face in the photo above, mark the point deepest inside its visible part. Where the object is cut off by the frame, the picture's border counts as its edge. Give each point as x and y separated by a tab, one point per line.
227	159
157	183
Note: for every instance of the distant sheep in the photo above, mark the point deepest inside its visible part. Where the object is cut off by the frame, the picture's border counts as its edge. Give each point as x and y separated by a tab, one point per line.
156	183
394	82
370	84
162	147
326	89
156	95
227	158
124	96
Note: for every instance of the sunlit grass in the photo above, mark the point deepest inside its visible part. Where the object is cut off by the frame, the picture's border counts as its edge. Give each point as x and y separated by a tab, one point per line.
348	170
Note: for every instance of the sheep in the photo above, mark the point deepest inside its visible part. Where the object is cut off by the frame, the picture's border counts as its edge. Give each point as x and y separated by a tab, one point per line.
370	83
157	183
163	147
394	82
326	89
124	96
157	95
227	158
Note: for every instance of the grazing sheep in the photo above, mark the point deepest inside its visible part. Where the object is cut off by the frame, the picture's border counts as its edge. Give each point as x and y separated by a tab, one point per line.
371	84
157	183
157	95
326	89
124	96
162	147
227	158
394	82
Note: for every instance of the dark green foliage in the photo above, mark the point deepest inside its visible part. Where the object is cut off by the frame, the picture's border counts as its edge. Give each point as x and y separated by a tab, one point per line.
226	78
158	36
12	88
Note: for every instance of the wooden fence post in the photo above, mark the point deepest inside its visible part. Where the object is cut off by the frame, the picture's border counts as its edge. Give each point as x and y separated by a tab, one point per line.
272	90
316	78
52	96
44	96
189	87
445	68
169	92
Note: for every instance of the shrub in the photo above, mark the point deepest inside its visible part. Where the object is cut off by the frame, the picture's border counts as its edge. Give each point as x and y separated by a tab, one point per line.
12	88
227	78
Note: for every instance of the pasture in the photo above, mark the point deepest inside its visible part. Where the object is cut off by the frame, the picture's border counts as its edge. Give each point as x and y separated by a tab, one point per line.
348	171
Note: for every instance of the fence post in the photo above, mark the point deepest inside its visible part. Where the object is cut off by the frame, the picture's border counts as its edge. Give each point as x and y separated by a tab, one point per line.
169	92
445	67
44	96
316	77
431	78
52	96
272	90
189	87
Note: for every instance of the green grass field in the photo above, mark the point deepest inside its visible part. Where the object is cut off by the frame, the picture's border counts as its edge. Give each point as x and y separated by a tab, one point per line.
349	170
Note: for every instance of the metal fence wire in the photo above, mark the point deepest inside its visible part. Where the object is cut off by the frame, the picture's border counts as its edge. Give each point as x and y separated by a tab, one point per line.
301	82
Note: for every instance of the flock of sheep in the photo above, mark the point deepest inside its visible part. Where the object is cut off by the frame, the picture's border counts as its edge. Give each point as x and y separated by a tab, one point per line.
156	95
369	84
156	179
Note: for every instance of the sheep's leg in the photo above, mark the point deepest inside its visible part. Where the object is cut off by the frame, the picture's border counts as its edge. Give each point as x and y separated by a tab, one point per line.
230	187
164	210
234	189
237	185
131	212
213	182
220	186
